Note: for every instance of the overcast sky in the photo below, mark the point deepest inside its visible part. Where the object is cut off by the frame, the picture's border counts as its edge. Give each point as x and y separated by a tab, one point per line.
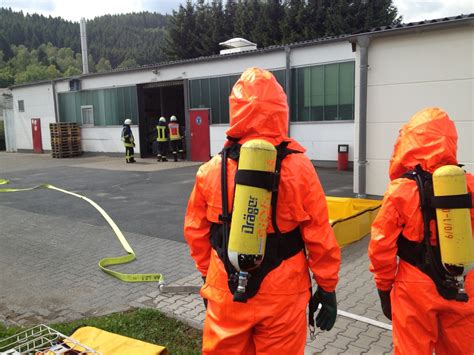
412	10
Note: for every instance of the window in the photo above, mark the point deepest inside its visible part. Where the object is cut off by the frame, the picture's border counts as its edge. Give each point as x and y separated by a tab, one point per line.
109	106
87	115
214	93
21	106
323	93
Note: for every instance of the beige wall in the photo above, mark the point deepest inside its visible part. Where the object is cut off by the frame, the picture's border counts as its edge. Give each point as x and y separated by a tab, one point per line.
406	74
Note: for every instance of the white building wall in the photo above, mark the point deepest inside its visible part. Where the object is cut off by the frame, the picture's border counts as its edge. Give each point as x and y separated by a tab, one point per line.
218	137
106	139
38	103
321	54
319	138
408	73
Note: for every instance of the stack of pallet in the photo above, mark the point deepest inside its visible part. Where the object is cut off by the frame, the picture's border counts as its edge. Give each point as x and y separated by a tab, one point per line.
65	139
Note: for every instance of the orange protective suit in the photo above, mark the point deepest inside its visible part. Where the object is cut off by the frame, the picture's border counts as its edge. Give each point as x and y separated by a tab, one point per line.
422	319
274	321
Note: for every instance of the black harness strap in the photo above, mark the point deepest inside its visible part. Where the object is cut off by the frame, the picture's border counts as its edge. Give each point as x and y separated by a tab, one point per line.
261	179
455	201
282	153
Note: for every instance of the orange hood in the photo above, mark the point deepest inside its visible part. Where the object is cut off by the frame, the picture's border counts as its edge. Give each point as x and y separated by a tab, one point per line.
259	109
429	138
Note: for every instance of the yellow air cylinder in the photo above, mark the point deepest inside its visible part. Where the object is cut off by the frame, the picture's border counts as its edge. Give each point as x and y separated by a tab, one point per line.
251	210
454	225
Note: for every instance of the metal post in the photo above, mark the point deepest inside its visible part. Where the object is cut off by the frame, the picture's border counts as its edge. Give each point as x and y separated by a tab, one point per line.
363	42
85	59
288	83
186	118
55	101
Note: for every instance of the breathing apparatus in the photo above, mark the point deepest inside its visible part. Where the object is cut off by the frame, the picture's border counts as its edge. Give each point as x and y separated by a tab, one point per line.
453	218
445	207
251	210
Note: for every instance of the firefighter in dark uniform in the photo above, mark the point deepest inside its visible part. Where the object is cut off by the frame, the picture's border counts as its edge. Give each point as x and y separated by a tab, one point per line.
128	141
175	138
162	140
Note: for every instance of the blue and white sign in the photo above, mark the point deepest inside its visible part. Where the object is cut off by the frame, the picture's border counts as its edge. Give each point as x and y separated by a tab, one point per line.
198	120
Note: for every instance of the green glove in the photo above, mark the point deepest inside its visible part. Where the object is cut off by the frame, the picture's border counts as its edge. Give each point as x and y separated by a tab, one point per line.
327	315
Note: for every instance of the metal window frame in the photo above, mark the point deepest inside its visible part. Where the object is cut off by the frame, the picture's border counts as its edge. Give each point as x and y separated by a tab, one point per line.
87	107
21	105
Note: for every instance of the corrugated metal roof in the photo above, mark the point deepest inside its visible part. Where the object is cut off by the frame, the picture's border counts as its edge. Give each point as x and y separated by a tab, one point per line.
377	31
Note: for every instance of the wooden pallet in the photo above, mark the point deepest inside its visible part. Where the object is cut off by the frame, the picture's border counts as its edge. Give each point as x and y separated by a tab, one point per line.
63	124
67	132
66	154
65	139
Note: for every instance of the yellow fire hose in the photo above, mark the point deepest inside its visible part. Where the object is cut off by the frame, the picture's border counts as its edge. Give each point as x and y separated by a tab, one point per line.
103	263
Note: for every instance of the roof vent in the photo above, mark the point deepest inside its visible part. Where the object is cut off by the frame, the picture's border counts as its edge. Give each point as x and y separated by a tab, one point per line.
236	45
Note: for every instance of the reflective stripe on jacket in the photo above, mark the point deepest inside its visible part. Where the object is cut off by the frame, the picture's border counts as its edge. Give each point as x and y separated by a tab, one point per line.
161	137
174	131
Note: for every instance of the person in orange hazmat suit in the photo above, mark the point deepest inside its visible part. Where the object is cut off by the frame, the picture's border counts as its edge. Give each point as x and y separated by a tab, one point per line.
273	318
426	315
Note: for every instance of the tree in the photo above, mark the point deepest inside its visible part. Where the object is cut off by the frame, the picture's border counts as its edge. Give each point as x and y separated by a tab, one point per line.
5	47
103	65
7	77
128	63
33	72
21	59
53	72
229	17
2	62
244	19
315	19
274	15
293	23
181	36
72	71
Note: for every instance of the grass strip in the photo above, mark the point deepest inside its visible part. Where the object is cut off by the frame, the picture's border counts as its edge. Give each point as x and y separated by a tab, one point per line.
148	325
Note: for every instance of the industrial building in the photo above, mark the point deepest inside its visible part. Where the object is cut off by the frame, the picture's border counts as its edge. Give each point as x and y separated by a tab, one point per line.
353	89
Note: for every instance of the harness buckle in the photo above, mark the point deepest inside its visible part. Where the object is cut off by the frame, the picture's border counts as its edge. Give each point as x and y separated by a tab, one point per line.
312	332
225	218
276	181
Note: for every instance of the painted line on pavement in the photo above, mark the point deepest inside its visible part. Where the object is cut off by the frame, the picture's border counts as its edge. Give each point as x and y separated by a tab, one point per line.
365	320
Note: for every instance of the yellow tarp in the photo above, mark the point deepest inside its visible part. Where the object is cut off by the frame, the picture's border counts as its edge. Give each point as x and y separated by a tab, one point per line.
351	218
113	344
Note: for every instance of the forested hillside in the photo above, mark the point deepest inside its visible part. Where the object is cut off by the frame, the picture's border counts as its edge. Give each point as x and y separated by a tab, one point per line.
35	47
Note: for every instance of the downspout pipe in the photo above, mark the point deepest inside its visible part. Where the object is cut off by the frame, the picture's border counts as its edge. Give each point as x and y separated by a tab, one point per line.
363	43
55	101
288	83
